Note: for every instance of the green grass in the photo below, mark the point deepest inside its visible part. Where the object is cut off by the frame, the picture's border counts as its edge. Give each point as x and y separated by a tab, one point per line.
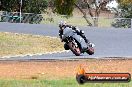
69	82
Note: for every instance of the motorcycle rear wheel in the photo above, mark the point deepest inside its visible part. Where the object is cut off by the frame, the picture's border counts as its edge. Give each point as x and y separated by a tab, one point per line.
74	49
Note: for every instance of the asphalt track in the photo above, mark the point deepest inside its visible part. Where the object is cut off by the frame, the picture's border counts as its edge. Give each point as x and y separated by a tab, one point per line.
110	42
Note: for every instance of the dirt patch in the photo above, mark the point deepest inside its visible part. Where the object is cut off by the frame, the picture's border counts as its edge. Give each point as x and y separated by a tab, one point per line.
60	69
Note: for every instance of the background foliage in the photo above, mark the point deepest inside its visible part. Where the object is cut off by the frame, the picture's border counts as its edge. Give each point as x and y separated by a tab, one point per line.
28	6
125	11
64	7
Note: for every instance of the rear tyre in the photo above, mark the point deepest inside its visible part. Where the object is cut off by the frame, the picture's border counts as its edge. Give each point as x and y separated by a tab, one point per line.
74	49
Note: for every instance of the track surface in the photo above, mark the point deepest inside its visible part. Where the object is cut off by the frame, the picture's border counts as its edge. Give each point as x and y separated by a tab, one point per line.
110	42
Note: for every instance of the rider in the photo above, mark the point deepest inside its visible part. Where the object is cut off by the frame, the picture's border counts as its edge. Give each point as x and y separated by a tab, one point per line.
63	25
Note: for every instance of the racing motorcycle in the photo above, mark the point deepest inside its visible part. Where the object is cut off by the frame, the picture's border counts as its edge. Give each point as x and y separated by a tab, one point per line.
76	43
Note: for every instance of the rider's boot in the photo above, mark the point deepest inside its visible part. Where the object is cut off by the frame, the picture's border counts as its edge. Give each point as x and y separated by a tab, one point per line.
87	42
66	47
84	50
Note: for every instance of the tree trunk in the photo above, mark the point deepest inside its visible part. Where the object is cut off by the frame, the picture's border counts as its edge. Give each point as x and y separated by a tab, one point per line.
95	20
84	15
89	9
97	12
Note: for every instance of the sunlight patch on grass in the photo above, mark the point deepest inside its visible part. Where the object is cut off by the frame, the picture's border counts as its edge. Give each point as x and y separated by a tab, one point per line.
15	44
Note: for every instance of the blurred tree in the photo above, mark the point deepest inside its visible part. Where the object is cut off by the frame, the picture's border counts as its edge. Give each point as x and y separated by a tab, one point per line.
9	5
124	1
65	7
34	6
125	12
28	6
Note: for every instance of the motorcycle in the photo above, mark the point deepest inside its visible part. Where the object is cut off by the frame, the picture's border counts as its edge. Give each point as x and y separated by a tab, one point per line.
76	43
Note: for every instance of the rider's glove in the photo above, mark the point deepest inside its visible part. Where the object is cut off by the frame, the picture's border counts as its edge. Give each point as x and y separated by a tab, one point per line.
81	31
63	39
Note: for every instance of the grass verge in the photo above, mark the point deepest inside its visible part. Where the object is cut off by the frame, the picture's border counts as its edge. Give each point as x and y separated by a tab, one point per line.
19	44
69	82
77	21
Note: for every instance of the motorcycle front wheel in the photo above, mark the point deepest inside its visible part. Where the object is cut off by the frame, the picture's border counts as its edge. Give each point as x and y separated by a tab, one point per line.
90	51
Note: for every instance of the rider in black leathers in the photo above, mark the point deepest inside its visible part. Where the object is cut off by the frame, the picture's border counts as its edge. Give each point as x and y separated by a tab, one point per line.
63	25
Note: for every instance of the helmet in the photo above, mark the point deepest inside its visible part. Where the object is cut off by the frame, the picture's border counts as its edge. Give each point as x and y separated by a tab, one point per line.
62	23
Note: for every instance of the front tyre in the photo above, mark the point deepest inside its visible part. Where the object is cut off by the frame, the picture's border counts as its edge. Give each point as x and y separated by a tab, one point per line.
90	51
74	49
